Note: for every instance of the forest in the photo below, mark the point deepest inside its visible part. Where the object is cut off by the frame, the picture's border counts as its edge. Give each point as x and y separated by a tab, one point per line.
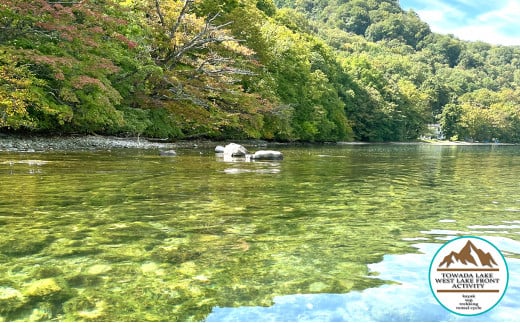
280	70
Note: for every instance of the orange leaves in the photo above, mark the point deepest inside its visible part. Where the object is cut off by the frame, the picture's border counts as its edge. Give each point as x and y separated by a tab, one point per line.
51	60
82	81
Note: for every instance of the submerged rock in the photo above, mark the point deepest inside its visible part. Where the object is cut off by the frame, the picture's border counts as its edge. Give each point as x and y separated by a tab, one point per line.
64	247
47	289
87	308
10	300
98	269
95	313
42	313
25	244
175	254
43	287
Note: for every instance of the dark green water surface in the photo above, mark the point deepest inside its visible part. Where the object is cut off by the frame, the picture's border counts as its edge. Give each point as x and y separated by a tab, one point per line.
129	235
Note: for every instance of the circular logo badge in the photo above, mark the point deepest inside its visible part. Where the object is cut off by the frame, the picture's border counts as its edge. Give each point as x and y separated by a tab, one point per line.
468	275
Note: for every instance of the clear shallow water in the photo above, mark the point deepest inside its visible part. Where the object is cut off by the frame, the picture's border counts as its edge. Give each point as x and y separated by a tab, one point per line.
409	300
330	233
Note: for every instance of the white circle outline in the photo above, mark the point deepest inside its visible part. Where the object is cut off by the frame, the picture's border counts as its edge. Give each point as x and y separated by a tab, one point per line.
468	237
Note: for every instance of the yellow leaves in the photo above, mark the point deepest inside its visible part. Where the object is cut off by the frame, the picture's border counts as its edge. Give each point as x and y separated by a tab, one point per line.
412	94
235	47
14	102
20	93
126	3
10	75
14	93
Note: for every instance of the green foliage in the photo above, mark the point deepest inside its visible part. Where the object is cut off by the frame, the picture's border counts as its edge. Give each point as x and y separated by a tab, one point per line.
406	28
267	6
307	70
161	124
484	115
74	52
307	76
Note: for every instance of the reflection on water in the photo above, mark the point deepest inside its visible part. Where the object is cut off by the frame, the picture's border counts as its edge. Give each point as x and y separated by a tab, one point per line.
408	299
329	233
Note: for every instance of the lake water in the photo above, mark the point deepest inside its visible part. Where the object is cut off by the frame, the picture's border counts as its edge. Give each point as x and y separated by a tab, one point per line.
331	233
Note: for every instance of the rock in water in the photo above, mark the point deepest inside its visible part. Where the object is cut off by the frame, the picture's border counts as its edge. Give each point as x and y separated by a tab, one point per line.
10	300
234	150
267	155
43	288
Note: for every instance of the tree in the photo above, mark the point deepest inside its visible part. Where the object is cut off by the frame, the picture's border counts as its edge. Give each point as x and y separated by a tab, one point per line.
266	6
484	115
72	53
445	46
450	122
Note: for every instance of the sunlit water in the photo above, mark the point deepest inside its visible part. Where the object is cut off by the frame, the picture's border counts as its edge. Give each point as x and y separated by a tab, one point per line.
331	233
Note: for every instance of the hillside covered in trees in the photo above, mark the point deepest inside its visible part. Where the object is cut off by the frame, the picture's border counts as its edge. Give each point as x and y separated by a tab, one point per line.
310	70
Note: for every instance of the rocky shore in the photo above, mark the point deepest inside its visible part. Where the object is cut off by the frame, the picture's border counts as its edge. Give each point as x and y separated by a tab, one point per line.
71	143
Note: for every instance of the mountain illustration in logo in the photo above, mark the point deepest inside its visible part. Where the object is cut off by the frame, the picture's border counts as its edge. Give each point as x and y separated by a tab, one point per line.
467	256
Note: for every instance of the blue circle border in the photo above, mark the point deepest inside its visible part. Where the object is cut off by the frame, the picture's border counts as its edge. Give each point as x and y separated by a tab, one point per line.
468	237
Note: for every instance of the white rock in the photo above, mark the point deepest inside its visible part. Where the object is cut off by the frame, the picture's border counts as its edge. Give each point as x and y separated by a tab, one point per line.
267	155
234	150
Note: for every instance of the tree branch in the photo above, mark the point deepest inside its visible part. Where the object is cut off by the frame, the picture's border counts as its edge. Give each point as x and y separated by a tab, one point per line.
159	12
205	36
184	10
221	67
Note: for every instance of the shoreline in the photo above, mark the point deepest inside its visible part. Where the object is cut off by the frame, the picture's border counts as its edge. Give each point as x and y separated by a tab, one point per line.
19	143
